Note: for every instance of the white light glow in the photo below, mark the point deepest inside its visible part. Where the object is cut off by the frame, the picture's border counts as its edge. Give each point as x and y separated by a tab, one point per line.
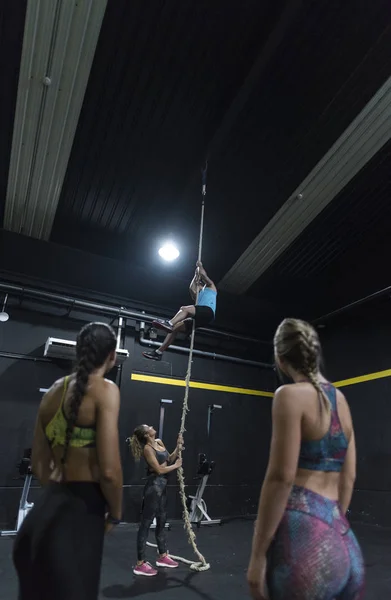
169	252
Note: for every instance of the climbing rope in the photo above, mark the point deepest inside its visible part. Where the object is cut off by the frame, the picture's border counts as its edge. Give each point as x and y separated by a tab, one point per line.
194	565
201	564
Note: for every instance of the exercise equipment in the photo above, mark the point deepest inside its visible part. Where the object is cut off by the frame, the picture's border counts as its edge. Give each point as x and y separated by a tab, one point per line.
163	403
24	468
197	505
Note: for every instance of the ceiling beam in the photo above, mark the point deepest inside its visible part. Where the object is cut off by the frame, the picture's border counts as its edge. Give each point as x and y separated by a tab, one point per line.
364	137
58	50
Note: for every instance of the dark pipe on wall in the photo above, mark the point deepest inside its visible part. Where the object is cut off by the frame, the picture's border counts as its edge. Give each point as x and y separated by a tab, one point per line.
17	356
355	304
116	311
232	359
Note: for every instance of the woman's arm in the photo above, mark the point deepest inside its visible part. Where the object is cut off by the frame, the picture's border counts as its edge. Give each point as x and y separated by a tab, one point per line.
204	277
41	456
179	446
150	457
194	284
282	468
348	475
107	447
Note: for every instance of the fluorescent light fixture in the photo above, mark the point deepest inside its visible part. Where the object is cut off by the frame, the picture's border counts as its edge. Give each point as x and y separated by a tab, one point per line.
169	252
362	139
58	51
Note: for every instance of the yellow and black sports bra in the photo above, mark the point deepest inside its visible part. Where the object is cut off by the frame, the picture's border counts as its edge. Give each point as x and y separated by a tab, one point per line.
55	430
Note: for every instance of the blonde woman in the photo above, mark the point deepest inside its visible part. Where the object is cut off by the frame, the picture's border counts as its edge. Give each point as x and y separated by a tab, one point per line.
160	463
303	546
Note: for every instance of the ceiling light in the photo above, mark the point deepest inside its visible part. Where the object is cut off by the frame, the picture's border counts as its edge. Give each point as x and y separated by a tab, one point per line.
4	316
169	252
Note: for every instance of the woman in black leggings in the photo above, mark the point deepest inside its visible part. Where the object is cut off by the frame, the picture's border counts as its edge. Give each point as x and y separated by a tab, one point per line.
76	457
160	463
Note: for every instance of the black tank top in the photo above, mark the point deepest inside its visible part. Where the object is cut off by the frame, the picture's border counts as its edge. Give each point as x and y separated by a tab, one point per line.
162	457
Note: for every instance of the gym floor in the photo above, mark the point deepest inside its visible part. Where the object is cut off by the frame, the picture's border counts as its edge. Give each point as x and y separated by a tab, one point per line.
226	547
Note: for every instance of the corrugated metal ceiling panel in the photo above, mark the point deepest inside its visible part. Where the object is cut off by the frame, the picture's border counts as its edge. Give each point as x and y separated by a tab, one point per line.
357	219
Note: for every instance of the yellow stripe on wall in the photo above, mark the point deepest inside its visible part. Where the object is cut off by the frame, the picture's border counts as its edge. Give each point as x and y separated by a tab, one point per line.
246	391
362	378
200	385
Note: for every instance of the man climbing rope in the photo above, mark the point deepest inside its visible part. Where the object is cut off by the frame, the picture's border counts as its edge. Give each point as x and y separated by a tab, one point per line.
203	312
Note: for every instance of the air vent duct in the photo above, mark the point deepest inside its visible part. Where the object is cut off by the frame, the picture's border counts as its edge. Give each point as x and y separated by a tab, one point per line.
66	349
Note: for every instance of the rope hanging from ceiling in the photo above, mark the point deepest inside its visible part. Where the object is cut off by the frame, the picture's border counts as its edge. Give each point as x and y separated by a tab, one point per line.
201	564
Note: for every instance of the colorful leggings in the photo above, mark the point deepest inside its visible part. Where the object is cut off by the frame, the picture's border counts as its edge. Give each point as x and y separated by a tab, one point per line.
154	505
315	554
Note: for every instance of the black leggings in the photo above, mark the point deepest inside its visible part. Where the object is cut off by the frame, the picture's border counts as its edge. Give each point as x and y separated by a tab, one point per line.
154	505
58	549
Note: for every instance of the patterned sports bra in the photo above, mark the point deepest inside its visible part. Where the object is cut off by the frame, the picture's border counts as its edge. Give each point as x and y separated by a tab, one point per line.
328	453
55	430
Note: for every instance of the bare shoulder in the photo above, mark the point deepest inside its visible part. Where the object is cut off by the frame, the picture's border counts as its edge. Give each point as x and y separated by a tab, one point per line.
343	406
341	397
287	397
58	384
107	392
51	400
289	390
110	384
56	388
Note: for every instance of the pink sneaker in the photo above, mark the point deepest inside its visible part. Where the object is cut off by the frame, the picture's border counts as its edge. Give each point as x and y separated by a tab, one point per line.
166	561
145	569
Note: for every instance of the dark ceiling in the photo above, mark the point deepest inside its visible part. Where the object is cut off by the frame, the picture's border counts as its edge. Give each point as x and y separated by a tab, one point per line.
261	89
12	16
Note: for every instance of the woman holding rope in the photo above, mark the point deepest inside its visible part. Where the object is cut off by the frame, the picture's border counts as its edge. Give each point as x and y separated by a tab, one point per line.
204	294
160	463
201	564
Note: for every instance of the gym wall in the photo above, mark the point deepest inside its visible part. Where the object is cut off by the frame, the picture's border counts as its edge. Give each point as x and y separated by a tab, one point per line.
36	263
240	432
359	345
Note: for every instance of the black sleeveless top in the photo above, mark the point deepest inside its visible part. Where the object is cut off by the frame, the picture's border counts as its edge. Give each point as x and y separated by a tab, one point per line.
162	457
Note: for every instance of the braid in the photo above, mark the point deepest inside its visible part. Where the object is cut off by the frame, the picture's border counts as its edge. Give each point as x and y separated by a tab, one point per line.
324	401
87	362
297	342
310	349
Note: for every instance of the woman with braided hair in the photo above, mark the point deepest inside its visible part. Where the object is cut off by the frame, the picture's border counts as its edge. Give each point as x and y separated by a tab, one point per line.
303	547
75	455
